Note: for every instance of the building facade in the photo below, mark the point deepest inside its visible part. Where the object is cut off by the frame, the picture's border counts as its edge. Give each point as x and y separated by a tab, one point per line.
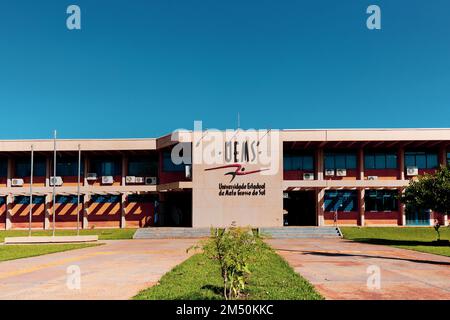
301	178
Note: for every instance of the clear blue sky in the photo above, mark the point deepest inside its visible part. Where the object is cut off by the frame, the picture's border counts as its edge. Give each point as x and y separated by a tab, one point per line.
145	68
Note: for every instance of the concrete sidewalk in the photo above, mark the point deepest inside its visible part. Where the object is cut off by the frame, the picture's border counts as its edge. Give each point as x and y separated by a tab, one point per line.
116	270
339	269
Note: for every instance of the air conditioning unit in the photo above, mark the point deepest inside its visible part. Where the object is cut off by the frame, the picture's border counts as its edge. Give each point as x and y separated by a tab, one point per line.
329	172
16	182
188	171
140	180
308	176
341	172
412	171
150	180
56	181
91	176
130	179
372	178
107	179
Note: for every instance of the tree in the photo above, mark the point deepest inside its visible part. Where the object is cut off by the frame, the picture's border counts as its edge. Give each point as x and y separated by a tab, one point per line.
430	191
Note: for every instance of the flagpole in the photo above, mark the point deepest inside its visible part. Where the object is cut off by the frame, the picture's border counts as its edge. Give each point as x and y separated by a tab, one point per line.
31	192
78	190
54	181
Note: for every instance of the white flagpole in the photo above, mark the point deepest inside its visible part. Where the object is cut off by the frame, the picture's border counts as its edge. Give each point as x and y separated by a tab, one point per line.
78	190
31	191
54	181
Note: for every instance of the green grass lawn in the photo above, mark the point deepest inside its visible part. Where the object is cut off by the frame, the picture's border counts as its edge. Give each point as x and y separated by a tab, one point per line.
11	252
198	278
103	234
413	238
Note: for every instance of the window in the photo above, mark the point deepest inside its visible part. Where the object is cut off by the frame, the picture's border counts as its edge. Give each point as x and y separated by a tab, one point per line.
448	158
169	166
96	198
381	200
26	200
3	167
141	198
2	200
142	167
340	160
298	162
68	199
68	167
23	167
341	200
421	160
380	161
107	167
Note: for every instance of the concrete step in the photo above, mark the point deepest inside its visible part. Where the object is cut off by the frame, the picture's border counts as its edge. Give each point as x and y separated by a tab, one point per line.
301	232
168	233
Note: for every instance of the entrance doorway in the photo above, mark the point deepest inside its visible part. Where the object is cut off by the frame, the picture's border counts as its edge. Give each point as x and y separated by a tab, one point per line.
174	209
299	208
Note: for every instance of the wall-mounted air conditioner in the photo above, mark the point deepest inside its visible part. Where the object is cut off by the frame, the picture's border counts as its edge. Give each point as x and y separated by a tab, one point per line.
188	171
140	180
107	179
412	171
130	179
56	181
16	182
372	178
308	176
91	176
341	172
150	180
329	172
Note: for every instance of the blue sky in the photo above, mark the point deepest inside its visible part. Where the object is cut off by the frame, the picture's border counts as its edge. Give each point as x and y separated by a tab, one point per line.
145	68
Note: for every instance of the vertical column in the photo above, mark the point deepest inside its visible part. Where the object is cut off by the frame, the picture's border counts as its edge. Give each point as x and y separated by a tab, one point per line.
361	163
431	217
446	220
124	168
123	208
402	209
47	209
362	207
319	164
320	193
401	163
9	172
85	211
9	205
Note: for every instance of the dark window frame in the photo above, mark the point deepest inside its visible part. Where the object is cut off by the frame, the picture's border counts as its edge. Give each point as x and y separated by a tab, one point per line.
383	156
346	156
289	164
422	154
341	200
381	201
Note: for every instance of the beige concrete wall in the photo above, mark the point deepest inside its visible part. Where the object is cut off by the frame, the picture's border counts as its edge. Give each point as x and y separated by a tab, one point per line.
258	209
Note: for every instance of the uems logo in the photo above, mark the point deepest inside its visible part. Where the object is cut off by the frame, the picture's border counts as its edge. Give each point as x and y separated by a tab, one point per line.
239	170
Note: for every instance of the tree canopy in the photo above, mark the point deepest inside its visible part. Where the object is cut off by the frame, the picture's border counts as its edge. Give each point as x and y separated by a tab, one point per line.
430	191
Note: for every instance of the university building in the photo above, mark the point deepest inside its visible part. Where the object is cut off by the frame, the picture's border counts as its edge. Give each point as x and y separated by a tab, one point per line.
321	177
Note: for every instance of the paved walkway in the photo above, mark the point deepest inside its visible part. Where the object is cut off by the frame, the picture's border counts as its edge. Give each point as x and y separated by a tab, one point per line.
116	270
339	269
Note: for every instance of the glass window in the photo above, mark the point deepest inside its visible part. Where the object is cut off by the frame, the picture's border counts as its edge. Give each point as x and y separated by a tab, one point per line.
391	161
169	166
380	161
68	199
341	200
421	160
340	161
369	161
107	167
3	167
68	167
23	167
381	200
142	167
26	200
2	200
308	163
432	161
298	162
96	198
448	158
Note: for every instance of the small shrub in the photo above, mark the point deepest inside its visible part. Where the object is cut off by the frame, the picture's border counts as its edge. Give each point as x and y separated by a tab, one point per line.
232	248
